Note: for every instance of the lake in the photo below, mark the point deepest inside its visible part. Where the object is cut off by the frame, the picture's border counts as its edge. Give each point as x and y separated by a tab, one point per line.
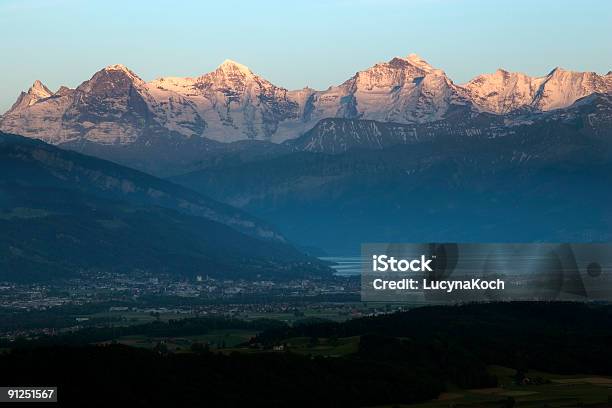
345	265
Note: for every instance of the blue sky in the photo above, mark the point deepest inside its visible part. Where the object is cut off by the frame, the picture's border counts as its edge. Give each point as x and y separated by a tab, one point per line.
295	43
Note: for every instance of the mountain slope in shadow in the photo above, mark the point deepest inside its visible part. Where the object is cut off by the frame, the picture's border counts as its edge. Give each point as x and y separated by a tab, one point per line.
62	213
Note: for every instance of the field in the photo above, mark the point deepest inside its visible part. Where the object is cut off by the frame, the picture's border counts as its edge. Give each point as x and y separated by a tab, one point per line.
558	391
215	339
323	347
332	311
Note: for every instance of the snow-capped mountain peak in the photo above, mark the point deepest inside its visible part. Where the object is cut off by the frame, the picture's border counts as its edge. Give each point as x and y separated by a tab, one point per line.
561	87
404	90
229	74
39	90
117	71
557	71
502	91
419	62
232	66
62	91
116	67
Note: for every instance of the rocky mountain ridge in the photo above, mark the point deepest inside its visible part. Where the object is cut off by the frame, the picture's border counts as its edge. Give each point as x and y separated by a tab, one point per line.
116	107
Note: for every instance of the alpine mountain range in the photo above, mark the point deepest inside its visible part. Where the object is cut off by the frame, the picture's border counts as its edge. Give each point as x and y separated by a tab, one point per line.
398	152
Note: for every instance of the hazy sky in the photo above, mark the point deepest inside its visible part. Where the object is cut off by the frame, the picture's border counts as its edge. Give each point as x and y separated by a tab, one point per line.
293	44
